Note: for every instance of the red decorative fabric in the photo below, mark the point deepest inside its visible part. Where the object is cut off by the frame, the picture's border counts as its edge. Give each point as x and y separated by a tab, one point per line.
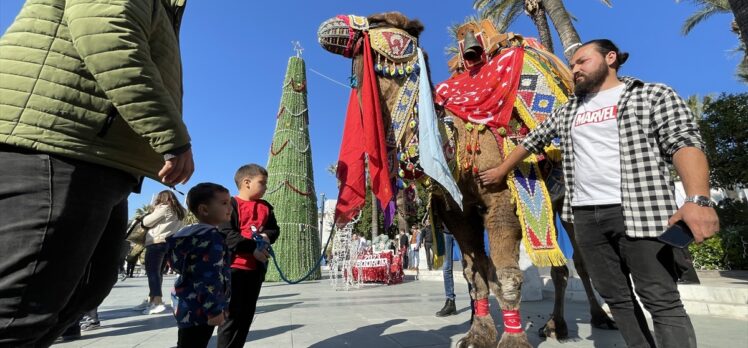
363	119
484	95
481	307
512	321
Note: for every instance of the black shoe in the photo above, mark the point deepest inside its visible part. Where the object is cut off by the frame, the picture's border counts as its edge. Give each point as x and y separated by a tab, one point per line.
448	309
90	325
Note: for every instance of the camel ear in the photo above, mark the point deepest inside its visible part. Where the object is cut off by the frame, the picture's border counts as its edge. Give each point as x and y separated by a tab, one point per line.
414	27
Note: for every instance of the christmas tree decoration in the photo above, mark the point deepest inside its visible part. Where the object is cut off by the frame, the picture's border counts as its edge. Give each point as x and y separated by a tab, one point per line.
291	181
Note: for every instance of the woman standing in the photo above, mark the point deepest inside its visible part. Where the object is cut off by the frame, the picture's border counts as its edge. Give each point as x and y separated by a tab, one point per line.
165	220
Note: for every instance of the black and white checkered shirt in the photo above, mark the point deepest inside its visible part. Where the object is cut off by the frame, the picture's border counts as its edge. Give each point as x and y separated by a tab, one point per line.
653	123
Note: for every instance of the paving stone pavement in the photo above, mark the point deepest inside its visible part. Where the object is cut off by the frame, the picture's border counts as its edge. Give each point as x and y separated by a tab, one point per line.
313	314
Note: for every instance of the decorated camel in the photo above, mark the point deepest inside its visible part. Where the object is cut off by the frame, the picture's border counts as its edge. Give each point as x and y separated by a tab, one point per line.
392	126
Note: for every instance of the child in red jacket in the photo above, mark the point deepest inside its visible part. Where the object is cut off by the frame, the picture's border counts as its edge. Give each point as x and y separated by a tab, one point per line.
251	229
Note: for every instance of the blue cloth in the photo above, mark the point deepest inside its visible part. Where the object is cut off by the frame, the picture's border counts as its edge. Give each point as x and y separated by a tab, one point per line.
431	154
564	242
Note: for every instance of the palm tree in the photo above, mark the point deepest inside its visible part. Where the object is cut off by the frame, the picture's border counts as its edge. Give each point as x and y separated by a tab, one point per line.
708	8
507	11
144	210
705	9
740	9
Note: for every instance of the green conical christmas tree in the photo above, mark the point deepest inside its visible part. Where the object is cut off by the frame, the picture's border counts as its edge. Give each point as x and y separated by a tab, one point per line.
291	181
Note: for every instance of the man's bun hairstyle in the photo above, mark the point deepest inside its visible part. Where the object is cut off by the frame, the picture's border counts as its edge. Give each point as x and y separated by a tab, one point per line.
604	46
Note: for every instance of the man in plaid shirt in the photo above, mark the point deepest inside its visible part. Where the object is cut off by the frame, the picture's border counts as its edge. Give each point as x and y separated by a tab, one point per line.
618	136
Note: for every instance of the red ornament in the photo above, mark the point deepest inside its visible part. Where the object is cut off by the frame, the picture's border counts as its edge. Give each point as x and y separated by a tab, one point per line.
469	148
475	169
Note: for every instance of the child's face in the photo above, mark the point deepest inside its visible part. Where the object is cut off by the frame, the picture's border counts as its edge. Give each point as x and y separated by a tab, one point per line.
218	209
256	186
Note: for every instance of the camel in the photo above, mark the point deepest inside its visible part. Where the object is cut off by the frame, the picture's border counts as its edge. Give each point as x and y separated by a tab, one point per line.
487	207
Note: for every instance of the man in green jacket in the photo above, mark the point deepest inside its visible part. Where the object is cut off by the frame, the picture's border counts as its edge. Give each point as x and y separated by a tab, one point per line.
90	103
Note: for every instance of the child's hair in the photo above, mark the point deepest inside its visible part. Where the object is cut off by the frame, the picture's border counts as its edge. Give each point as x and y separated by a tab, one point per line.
202	193
169	198
248	170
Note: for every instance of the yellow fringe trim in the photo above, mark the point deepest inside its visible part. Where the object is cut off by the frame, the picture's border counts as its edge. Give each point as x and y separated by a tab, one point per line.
539	258
438	259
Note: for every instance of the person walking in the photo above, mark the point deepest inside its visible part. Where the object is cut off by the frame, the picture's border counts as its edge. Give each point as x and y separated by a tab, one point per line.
165	220
90	104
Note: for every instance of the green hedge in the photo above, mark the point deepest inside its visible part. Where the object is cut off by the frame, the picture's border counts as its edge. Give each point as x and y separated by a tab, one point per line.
729	248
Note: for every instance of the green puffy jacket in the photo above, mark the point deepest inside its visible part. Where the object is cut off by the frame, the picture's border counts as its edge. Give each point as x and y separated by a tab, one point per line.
98	81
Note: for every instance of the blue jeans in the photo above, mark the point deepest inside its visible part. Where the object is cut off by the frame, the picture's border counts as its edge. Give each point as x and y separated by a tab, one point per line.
154	260
449	281
611	257
62	223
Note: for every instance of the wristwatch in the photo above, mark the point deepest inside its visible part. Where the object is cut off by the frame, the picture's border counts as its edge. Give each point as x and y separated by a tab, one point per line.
702	201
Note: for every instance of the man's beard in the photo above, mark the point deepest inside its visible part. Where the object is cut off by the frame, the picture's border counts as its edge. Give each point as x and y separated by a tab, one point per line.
591	81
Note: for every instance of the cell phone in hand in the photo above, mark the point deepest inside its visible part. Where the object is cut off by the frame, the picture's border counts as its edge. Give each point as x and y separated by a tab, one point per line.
678	235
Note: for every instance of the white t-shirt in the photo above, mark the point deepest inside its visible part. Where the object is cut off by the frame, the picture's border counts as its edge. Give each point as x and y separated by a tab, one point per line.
597	158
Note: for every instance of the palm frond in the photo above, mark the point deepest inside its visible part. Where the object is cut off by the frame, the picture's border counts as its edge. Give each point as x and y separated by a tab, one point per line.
608	3
699	16
503	22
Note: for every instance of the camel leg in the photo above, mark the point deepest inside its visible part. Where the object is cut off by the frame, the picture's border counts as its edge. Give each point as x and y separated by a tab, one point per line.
476	266
556	326
599	319
504	237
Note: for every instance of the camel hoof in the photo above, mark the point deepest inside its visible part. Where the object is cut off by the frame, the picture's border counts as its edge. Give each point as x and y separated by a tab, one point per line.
482	334
514	341
554	329
603	322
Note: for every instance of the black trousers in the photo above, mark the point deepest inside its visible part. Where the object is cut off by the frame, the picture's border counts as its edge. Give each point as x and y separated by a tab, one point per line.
194	337
429	255
62	223
245	290
611	257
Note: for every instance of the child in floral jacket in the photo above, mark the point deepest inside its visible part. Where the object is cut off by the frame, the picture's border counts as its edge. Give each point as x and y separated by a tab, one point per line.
199	255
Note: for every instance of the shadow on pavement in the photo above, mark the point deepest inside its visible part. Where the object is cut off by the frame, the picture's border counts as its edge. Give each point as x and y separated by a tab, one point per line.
275	307
149	323
374	336
256	335
272	297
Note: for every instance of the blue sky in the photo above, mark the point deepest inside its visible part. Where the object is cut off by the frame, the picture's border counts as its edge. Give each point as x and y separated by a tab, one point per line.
235	55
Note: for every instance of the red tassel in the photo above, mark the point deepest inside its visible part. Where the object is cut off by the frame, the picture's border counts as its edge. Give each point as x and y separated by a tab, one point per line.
469	148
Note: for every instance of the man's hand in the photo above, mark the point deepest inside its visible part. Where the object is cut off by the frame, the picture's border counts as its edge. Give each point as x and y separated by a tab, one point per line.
177	170
217	320
261	255
702	221
491	176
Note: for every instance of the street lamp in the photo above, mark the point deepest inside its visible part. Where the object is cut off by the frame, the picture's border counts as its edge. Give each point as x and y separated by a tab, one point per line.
322	221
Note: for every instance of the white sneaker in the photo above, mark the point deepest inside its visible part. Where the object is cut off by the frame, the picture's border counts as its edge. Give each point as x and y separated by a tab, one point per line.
155	309
144	305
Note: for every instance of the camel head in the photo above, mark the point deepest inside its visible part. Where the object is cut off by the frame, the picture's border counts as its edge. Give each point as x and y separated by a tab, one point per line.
342	34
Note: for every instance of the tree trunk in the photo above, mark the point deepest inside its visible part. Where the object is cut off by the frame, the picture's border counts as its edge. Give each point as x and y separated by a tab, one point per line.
565	28
740	9
537	14
374	217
